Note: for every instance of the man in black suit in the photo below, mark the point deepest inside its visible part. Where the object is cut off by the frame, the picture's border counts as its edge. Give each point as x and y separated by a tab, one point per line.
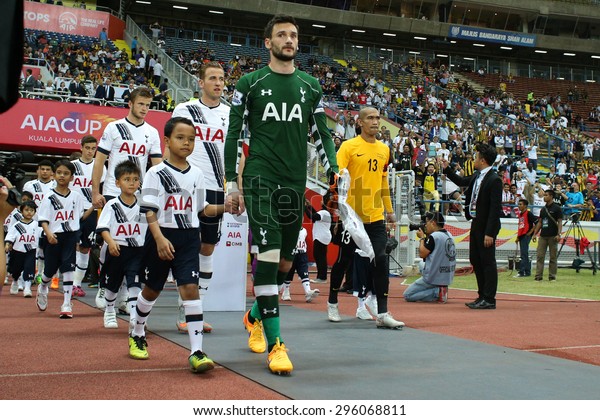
29	84
483	206
77	90
105	91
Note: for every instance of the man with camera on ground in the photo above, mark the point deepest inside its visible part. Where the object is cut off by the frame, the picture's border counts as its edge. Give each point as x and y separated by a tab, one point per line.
438	251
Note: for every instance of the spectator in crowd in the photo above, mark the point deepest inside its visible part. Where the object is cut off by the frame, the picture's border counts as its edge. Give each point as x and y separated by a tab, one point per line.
526	227
29	83
105	91
103	37
155	28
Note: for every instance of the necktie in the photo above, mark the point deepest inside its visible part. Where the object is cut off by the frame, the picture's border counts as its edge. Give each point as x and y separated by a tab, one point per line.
473	205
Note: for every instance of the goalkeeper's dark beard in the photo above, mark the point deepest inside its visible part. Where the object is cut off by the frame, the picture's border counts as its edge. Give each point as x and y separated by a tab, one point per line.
281	56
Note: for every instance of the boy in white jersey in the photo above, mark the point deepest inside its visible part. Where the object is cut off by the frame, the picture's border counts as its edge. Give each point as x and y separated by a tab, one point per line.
39	188
82	183
173	198
211	121
59	217
123	232
14	217
21	241
130	138
300	265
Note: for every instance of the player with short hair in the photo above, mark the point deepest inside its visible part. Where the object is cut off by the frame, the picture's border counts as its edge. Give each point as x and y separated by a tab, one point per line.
123	230
22	241
130	138
39	188
59	216
211	122
279	106
173	198
82	183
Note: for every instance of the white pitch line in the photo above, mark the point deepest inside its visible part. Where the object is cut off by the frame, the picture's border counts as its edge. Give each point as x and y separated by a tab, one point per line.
95	372
566	348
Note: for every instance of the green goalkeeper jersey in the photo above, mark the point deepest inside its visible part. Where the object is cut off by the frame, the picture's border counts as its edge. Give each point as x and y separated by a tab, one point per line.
275	113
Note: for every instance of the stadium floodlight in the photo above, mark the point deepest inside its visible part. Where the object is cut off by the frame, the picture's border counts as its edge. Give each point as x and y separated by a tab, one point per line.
215	12
388	34
541	52
143	2
420	38
590	81
442	55
506	48
414	52
233	44
595	56
360	31
180	7
469	59
569	54
478	45
318	26
453	42
358	46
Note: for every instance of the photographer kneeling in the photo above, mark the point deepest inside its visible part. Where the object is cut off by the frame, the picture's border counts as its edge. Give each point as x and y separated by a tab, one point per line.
437	248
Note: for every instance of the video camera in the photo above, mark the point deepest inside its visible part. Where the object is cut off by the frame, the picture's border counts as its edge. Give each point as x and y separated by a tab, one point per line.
9	170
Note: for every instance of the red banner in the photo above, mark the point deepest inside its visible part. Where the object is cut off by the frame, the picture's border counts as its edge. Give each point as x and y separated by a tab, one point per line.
70	20
57	127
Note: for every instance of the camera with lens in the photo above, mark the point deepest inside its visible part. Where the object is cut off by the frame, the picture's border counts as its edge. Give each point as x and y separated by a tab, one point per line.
9	170
575	217
417	226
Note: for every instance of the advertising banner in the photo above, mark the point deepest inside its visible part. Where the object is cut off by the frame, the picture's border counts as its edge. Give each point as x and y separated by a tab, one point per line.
227	289
57	127
489	35
69	20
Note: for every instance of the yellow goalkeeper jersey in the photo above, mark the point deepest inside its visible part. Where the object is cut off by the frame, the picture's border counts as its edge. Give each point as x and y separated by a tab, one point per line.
367	164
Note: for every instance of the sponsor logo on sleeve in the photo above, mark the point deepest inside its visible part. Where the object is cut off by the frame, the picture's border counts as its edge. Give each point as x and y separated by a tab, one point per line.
237	98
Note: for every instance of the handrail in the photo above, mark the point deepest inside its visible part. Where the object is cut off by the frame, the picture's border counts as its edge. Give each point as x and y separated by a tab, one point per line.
177	75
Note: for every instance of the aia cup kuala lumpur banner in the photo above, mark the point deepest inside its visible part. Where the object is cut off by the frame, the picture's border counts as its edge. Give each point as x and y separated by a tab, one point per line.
57	127
69	20
227	289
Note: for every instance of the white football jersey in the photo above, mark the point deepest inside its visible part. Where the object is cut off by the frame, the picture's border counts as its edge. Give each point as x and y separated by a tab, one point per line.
24	236
12	218
39	189
301	245
82	179
62	212
211	125
122	140
176	196
125	224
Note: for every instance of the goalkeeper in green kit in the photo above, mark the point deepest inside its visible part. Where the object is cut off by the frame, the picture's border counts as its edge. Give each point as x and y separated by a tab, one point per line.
276	108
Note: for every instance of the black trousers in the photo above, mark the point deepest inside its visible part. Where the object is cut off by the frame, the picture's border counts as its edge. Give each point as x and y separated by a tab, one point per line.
374	275
484	265
320	255
342	266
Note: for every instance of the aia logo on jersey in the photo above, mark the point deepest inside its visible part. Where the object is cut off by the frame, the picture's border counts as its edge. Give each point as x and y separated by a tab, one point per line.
208	134
37	198
271	112
234	235
63	216
178	202
133	149
82	182
30	239
128	229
